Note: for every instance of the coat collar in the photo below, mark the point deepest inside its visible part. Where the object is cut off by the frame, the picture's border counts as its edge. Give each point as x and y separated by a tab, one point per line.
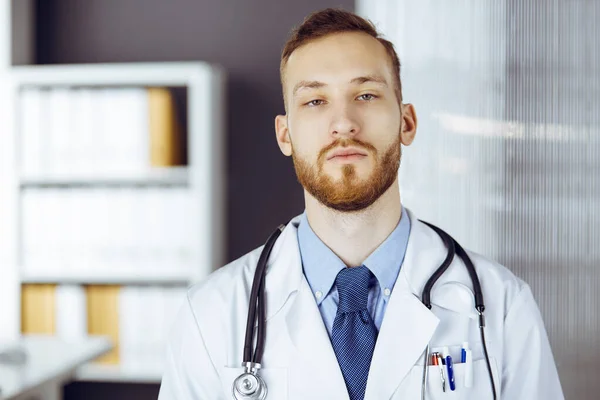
284	268
407	327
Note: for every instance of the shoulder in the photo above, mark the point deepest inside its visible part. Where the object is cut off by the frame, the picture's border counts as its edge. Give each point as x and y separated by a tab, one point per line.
503	285
214	311
233	281
426	251
218	305
217	288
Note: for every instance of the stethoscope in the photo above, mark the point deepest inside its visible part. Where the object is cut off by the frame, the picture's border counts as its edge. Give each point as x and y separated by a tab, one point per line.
250	386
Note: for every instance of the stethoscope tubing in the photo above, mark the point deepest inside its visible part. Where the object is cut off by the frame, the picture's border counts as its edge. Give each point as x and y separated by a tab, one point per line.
257	299
455	248
257	303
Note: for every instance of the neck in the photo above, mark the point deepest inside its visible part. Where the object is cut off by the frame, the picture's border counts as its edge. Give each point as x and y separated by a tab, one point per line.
353	236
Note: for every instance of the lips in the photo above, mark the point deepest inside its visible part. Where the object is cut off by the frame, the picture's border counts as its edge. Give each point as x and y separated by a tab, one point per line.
346	152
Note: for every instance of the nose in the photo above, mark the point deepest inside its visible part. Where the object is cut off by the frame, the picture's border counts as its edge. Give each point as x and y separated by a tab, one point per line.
344	124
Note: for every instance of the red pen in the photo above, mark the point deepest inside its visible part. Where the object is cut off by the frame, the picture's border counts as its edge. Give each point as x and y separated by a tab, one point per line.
436	359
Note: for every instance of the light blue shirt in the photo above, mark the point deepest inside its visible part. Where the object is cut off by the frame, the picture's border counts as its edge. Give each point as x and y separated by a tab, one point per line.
321	267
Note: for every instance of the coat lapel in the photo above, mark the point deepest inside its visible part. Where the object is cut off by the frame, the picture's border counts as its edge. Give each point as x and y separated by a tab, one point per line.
315	360
406	329
408	325
311	361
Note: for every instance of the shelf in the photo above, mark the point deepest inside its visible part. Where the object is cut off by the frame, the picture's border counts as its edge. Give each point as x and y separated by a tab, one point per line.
103	276
158	176
116	373
143	74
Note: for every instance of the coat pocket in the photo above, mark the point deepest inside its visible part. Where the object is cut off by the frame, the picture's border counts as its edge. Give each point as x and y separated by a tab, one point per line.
480	389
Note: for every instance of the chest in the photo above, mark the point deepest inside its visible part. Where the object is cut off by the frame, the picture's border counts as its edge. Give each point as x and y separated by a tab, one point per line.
301	364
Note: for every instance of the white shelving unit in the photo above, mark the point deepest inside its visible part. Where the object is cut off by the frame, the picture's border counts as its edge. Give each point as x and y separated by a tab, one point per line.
176	176
9	289
124	276
203	178
204	173
117	373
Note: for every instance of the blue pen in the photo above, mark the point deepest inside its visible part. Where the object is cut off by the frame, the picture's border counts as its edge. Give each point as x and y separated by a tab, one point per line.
450	369
463	352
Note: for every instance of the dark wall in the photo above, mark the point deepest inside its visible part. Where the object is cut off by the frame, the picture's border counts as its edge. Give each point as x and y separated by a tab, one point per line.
245	37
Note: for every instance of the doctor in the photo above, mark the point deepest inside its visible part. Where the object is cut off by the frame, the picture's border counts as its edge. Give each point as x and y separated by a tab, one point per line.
344	318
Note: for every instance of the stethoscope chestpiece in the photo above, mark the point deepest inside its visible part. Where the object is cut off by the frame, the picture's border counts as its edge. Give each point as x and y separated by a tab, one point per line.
249	385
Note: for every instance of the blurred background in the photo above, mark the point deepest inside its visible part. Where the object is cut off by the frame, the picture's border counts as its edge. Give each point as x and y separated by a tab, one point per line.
137	155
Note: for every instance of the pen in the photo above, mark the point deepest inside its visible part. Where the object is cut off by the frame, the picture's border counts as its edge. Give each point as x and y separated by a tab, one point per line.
450	368
437	360
463	352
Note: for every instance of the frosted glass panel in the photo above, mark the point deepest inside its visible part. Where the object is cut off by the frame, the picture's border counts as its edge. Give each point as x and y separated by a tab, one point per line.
507	154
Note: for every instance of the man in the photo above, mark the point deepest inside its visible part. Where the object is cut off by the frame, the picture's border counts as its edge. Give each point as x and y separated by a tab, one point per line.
344	281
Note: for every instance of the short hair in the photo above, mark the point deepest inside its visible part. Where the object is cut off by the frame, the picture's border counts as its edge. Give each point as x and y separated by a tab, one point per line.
335	20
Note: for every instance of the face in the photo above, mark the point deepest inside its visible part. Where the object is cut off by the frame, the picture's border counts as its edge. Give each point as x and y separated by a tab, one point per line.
344	125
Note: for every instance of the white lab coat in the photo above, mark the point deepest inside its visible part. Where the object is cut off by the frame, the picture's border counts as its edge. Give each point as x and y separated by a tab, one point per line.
204	352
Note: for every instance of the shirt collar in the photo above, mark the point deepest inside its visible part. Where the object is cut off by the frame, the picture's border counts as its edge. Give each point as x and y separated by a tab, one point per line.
321	265
386	260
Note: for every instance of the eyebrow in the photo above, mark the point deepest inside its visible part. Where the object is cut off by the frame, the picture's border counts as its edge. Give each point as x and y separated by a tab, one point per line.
370	78
358	80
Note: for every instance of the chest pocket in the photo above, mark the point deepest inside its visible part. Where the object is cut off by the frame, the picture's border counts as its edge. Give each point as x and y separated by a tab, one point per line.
275	379
480	389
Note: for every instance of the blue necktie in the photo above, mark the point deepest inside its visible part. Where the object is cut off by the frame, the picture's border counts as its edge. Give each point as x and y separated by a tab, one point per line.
354	333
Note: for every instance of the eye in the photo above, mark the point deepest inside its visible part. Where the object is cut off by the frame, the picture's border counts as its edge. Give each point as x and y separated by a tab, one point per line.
314	103
367	96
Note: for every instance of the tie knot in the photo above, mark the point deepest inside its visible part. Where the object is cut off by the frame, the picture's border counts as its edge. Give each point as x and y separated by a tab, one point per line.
353	288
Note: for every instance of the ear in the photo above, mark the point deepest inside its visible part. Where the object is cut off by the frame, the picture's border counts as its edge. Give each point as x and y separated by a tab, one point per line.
409	124
283	135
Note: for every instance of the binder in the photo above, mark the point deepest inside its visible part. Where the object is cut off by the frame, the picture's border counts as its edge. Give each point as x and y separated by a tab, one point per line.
38	305
166	141
103	317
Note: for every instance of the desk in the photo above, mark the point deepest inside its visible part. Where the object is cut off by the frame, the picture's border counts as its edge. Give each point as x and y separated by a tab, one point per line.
50	364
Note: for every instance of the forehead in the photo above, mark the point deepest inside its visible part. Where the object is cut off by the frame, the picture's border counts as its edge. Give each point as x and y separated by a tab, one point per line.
338	58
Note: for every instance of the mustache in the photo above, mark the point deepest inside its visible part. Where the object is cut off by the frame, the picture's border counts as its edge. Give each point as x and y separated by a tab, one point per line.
346	143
